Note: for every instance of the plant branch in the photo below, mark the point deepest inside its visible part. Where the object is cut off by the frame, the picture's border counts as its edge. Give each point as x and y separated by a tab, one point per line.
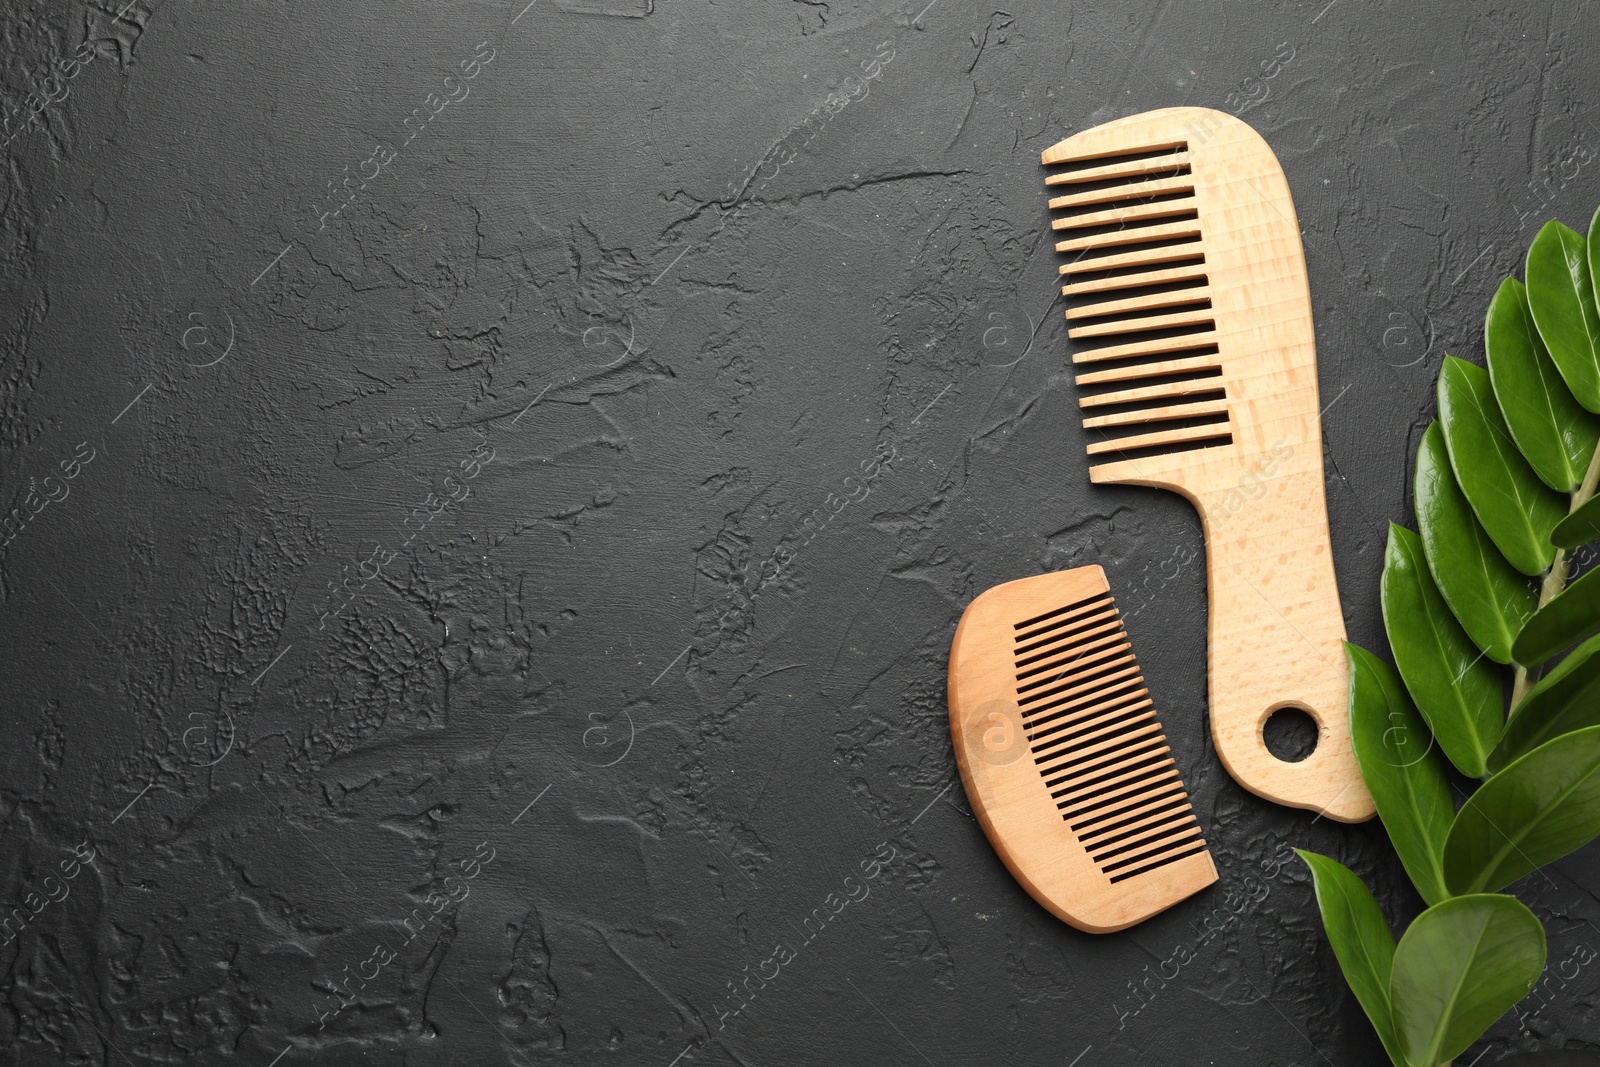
1591	479
1555	579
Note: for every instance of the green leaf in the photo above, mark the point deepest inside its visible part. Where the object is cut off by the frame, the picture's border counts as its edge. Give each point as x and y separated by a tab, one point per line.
1556	435
1488	596
1539	808
1361	939
1578	528
1456	691
1562	297
1566	699
1514	506
1403	770
1567	617
1460	966
1594	253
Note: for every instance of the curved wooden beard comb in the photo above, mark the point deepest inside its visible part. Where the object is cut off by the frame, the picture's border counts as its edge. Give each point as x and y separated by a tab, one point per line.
1193	315
1062	757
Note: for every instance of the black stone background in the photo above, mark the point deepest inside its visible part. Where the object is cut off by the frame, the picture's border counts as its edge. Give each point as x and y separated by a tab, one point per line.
712	337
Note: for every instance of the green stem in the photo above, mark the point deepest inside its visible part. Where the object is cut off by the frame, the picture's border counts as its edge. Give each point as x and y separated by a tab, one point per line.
1555	579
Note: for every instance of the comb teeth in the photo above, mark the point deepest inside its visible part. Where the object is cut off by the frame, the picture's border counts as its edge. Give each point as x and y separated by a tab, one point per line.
1141	301
1096	742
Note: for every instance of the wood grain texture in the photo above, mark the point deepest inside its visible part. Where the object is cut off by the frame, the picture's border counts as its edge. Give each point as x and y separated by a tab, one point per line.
1251	460
1062	756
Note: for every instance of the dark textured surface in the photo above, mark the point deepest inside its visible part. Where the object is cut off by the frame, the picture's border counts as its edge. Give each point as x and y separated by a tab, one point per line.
282	789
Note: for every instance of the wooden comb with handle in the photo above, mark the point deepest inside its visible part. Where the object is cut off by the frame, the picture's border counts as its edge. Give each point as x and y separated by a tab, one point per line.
1062	757
1190	301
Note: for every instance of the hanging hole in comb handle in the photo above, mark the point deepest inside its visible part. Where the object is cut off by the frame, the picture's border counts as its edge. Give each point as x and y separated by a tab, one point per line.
1290	733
